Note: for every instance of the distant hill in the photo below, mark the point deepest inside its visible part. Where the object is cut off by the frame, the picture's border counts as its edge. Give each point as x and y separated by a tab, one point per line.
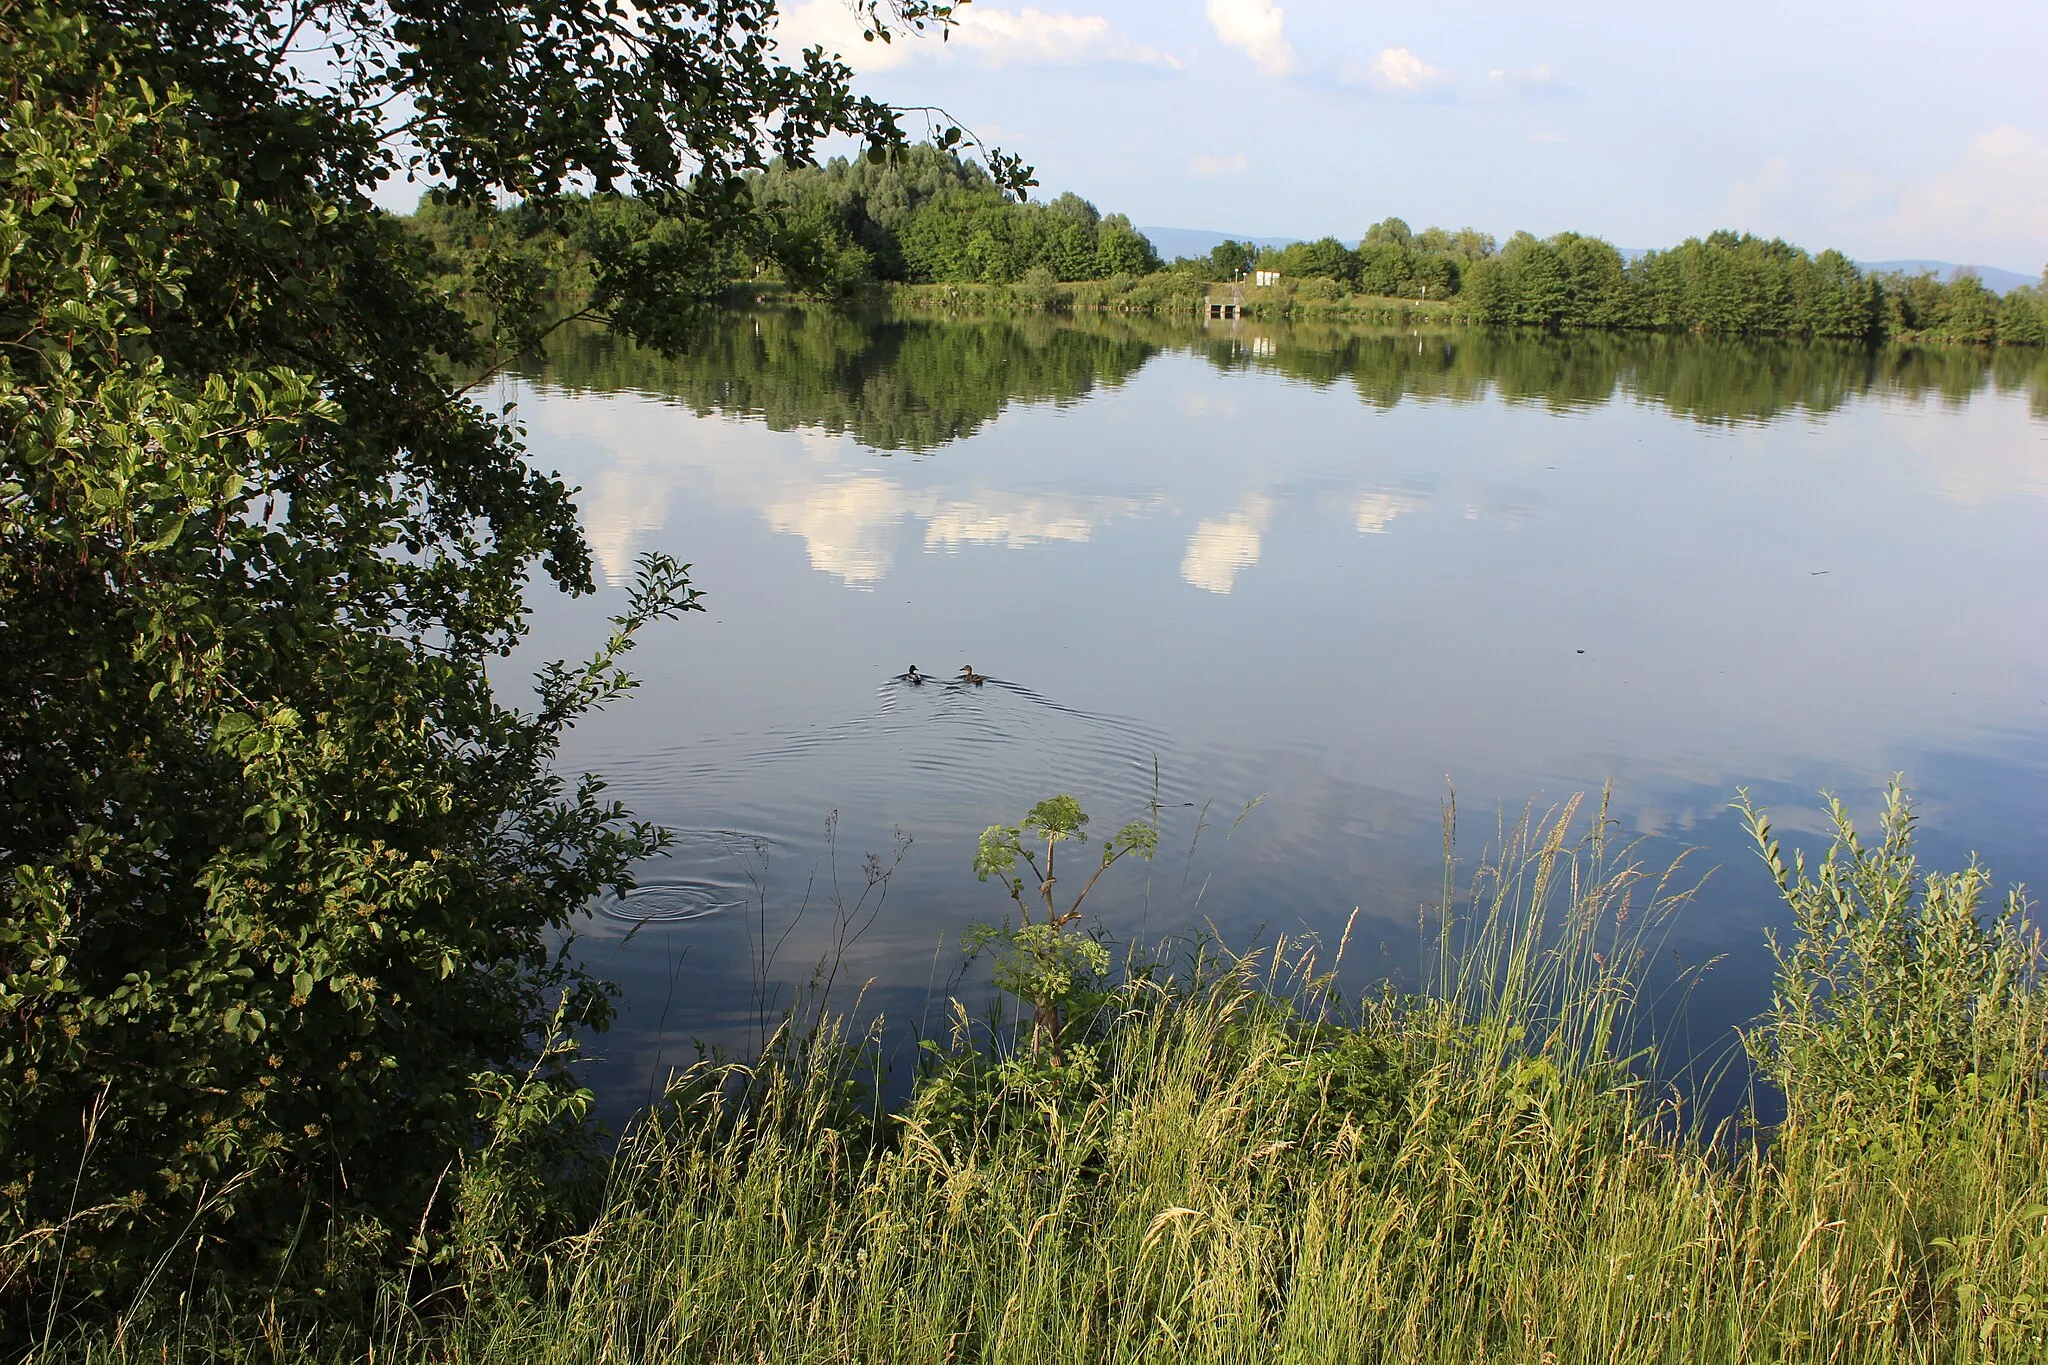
1172	242
1995	279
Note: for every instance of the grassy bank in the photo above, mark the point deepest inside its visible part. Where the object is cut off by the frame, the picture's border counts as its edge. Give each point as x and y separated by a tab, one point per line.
1229	1162
1168	293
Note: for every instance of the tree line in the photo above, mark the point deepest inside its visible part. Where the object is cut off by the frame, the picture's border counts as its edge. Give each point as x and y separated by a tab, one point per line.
924	215
1725	283
927	215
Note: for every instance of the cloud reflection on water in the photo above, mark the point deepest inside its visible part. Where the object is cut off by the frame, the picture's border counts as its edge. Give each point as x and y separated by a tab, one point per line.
1222	546
634	464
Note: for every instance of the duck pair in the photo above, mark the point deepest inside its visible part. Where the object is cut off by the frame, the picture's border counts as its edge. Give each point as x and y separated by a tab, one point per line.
967	675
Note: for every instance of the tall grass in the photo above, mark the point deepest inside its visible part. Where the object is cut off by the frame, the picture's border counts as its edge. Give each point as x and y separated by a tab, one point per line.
1239	1165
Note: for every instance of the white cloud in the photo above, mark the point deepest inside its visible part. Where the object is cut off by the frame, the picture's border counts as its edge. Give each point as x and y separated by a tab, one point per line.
1219	165
1989	206
1540	79
1221	546
1547	137
1256	27
1399	69
1995	198
1032	36
835	26
996	37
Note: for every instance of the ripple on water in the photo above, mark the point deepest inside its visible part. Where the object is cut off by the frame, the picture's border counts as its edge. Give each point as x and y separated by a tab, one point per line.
944	737
707	872
670	901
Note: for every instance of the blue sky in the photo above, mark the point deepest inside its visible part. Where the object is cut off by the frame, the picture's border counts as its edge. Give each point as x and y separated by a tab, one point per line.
1886	129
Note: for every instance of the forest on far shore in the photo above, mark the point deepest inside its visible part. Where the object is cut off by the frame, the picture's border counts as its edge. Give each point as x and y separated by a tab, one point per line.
930	216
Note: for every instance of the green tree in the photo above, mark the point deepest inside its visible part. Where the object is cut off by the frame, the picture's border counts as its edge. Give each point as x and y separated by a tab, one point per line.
1384	266
1912	303
1392	231
1597	293
1121	249
1325	257
285	878
1529	282
1465	245
1228	259
817	252
925	214
1969	311
1835	299
2022	318
1067	248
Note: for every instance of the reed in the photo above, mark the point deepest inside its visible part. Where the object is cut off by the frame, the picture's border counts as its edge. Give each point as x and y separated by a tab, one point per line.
1240	1164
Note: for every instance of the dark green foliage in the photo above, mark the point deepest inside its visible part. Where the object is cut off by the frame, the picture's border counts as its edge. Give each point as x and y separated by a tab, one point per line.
286	883
1228	260
1121	249
2023	317
1566	280
1835	299
928	215
1391	260
588	256
922	214
866	206
1725	284
1732	284
968	235
1969	312
1326	258
283	874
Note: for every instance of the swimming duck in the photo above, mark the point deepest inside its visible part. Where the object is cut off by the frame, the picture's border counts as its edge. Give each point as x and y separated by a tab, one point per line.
968	675
911	676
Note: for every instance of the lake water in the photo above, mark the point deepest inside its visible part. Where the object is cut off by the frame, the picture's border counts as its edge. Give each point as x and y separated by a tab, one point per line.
1338	573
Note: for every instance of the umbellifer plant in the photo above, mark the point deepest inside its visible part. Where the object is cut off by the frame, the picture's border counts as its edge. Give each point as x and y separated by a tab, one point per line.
1039	960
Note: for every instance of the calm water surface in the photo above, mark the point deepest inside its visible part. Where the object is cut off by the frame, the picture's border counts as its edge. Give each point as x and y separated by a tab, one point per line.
1338	573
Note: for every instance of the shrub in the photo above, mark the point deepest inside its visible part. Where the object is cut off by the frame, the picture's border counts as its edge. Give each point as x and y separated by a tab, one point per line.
1901	996
1040	289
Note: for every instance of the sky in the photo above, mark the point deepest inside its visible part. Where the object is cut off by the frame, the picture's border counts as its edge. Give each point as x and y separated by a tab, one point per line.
1888	130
